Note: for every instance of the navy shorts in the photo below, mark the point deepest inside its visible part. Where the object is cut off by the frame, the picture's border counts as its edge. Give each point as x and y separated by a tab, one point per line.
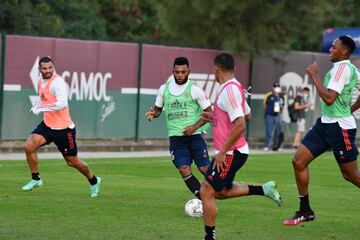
185	149
225	178
324	136
64	139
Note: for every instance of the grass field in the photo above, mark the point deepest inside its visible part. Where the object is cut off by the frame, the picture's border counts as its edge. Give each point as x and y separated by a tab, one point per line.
144	199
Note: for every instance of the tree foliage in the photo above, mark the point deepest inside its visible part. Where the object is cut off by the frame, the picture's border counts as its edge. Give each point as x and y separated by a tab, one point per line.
246	25
255	24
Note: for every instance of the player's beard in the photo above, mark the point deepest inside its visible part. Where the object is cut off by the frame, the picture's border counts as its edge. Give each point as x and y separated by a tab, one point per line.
47	75
181	83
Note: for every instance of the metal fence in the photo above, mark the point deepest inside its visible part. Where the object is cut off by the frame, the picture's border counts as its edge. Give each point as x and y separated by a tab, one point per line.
112	84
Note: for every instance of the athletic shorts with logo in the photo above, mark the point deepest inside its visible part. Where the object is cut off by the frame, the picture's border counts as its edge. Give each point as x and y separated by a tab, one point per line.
324	136
64	139
225	178
185	149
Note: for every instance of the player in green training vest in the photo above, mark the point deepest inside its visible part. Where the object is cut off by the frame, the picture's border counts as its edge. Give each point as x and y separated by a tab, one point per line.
183	102
335	129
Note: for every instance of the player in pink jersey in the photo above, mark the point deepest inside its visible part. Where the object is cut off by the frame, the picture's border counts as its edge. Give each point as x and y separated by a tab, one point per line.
56	127
228	125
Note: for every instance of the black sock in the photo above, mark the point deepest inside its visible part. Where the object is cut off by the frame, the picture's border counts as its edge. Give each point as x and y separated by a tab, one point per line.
93	181
256	190
209	233
193	184
35	176
304	204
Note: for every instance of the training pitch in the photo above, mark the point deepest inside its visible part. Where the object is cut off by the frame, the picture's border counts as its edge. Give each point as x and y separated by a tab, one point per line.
144	198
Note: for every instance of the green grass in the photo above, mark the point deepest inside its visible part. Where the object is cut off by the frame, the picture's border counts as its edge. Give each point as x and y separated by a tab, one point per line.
144	199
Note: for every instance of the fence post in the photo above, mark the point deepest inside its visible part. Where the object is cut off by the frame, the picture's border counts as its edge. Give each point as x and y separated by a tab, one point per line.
249	96
2	77
138	94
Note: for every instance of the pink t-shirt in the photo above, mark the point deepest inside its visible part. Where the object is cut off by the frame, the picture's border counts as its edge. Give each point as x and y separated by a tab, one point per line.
222	120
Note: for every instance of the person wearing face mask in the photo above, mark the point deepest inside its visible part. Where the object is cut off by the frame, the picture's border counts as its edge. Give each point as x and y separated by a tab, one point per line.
183	102
300	105
272	105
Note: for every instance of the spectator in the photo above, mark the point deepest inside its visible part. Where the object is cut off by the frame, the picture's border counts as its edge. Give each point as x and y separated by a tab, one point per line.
272	106
300	105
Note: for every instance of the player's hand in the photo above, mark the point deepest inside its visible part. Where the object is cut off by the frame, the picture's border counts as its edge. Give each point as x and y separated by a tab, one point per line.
35	110
189	130
207	116
220	162
312	69
150	114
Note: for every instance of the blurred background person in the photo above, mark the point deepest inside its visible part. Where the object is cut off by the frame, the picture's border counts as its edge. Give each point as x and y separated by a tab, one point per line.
300	105
272	106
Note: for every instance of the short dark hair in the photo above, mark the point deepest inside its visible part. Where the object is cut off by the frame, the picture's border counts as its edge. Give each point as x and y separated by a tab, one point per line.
276	84
225	61
45	60
181	61
348	42
306	89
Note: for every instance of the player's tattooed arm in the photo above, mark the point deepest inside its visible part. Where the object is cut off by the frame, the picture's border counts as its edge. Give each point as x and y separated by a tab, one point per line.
154	112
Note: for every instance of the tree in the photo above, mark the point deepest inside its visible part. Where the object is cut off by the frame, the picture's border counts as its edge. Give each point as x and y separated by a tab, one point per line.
130	20
250	25
29	17
54	18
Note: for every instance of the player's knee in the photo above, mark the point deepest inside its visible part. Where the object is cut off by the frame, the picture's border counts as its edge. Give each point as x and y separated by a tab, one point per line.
71	161
185	170
297	163
205	190
353	178
221	195
203	170
28	147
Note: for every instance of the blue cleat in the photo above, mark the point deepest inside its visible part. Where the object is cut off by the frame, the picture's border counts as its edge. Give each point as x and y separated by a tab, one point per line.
95	189
32	184
270	191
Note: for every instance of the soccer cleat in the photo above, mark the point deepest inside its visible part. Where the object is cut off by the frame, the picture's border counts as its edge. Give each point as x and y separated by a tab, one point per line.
270	191
300	217
32	184
95	189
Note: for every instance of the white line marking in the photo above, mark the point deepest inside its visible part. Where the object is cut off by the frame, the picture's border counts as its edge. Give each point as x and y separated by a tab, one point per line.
146	91
12	87
257	96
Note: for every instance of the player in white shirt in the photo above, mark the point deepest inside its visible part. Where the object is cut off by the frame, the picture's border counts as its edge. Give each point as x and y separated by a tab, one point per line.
183	103
335	129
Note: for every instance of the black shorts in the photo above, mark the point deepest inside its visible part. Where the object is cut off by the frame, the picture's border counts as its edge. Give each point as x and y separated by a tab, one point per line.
226	177
185	149
64	139
324	136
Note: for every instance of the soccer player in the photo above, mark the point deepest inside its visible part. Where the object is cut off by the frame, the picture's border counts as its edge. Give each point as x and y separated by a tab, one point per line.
56	127
335	129
183	102
228	124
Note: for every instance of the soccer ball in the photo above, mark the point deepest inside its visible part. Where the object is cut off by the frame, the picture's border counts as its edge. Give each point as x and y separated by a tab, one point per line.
194	208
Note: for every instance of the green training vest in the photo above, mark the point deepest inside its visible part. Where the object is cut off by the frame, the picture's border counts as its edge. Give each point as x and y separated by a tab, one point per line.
181	111
341	106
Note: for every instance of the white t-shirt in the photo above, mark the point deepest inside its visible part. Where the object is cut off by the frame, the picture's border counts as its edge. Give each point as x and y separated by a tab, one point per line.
175	89
340	76
59	90
230	101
